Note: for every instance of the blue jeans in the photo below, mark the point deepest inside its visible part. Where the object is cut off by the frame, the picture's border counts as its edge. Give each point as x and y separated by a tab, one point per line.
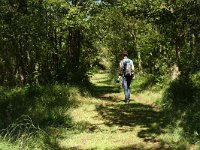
126	81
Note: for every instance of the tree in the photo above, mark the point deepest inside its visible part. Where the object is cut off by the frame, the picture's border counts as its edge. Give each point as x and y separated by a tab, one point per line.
42	40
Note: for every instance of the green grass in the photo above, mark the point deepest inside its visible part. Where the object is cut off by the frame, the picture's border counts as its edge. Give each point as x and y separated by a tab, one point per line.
65	117
28	114
103	121
45	105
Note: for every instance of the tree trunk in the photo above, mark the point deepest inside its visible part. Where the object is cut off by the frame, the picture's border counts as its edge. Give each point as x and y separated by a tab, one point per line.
139	62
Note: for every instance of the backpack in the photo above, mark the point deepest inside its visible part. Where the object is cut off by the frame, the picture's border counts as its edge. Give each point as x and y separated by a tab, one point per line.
127	68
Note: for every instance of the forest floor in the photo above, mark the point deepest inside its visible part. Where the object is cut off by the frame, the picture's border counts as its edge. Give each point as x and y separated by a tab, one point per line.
107	123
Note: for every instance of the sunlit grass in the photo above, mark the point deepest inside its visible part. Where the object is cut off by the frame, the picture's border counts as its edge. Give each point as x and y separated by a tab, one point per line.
23	134
5	145
103	121
102	140
74	118
45	108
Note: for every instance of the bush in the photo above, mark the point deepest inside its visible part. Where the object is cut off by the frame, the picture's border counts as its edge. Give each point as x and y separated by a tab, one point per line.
22	134
45	105
191	121
180	93
28	114
181	103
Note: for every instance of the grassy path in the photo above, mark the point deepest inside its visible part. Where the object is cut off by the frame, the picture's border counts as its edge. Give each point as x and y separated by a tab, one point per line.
105	122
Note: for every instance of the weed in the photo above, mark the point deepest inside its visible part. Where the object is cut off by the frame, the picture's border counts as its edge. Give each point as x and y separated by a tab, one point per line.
23	134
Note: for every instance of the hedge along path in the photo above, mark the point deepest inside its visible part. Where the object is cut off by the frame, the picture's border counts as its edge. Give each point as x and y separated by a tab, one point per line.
106	122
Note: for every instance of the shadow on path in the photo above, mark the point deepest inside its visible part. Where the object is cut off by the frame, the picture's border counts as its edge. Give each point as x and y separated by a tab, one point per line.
99	89
150	121
134	114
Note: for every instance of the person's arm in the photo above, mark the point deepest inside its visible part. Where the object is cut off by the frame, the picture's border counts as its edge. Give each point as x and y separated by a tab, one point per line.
133	68
133	71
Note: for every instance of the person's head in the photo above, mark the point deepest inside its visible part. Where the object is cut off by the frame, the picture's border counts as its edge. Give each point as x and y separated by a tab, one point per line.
124	53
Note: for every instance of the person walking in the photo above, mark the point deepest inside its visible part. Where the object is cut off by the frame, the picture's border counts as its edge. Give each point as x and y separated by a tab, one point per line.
126	72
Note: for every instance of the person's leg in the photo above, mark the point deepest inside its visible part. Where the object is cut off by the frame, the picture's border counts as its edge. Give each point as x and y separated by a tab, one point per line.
126	89
129	79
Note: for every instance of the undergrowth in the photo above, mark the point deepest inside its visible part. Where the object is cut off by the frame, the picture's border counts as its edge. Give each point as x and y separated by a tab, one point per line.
22	134
28	114
180	103
33	117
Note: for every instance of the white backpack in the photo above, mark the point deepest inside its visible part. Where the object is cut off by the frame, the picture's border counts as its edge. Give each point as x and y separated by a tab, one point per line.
127	68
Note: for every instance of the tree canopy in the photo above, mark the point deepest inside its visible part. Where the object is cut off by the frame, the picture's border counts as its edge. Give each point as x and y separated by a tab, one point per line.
47	41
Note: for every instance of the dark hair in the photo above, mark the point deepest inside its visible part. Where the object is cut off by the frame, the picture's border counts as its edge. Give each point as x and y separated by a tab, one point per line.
125	53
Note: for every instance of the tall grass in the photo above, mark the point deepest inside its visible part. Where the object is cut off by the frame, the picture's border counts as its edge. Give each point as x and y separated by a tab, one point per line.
148	82
182	108
45	105
180	105
28	113
22	134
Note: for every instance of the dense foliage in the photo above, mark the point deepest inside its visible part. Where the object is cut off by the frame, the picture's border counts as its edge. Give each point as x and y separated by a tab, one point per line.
60	41
45	41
